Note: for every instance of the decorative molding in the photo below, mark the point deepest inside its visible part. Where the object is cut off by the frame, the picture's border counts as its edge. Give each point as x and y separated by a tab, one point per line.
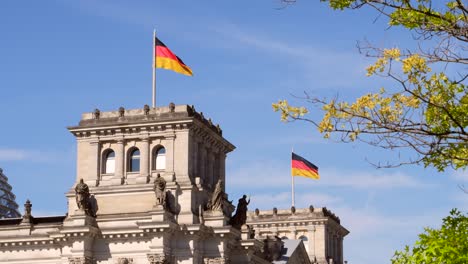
81	260
218	260
124	261
158	258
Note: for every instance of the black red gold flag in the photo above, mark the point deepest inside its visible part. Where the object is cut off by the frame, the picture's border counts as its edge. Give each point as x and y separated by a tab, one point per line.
302	167
166	59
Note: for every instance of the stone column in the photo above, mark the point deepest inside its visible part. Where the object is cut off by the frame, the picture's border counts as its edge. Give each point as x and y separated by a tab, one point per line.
222	166
201	165
340	249
144	161
210	169
119	163
320	243
194	160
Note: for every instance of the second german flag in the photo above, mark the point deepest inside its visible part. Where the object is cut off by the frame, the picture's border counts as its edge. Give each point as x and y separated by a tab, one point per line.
166	59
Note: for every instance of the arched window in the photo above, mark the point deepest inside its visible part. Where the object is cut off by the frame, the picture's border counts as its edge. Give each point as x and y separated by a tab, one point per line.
134	161
109	161
305	241
159	158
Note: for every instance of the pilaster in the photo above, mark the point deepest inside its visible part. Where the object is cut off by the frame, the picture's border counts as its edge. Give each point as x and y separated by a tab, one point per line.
144	161
170	153
119	162
92	179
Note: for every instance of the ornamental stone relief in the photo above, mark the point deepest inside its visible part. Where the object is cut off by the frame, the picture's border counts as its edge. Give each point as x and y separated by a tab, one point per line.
219	260
124	260
81	260
158	259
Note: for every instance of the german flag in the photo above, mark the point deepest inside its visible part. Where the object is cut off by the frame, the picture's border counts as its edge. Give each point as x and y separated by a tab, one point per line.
302	167
166	59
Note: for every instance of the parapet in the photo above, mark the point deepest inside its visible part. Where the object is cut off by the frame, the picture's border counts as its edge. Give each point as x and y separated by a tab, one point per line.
293	213
146	114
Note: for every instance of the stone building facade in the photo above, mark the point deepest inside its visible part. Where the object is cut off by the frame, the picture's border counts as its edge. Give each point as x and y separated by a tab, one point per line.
150	189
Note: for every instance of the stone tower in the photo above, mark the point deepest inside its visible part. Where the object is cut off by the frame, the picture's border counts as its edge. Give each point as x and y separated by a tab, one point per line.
120	154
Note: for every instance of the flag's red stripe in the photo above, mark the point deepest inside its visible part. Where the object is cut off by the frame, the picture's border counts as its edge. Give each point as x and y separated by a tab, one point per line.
165	52
302	166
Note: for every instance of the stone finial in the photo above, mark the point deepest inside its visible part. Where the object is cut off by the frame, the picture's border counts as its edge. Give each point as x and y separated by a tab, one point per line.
210	122
146	109
121	111
193	108
257	212
27	217
293	209
171	107
311	208
202	116
275	211
97	113
218	128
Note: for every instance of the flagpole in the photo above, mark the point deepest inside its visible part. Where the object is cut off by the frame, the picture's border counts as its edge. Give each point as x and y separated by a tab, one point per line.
292	180
154	68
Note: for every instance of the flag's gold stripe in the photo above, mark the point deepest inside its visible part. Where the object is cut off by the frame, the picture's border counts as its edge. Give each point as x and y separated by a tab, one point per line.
306	173
170	64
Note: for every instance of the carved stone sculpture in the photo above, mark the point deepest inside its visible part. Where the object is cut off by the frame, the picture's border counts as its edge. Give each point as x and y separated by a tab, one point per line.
146	109
160	191
172	107
240	217
81	260
27	217
121	111
83	198
219	260
158	258
273	248
125	261
217	198
97	113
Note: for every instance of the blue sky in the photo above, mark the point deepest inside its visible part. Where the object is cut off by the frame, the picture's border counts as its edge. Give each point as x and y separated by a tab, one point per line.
61	58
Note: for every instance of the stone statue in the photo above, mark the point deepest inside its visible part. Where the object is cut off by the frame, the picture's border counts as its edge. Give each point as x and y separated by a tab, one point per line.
160	190
217	198
83	198
125	261
240	217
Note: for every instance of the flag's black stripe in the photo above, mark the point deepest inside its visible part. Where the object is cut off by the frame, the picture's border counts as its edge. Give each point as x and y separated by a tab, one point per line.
297	157
160	43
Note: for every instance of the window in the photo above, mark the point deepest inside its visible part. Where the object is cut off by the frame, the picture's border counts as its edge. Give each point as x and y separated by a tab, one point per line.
305	241
159	158
109	161
134	161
